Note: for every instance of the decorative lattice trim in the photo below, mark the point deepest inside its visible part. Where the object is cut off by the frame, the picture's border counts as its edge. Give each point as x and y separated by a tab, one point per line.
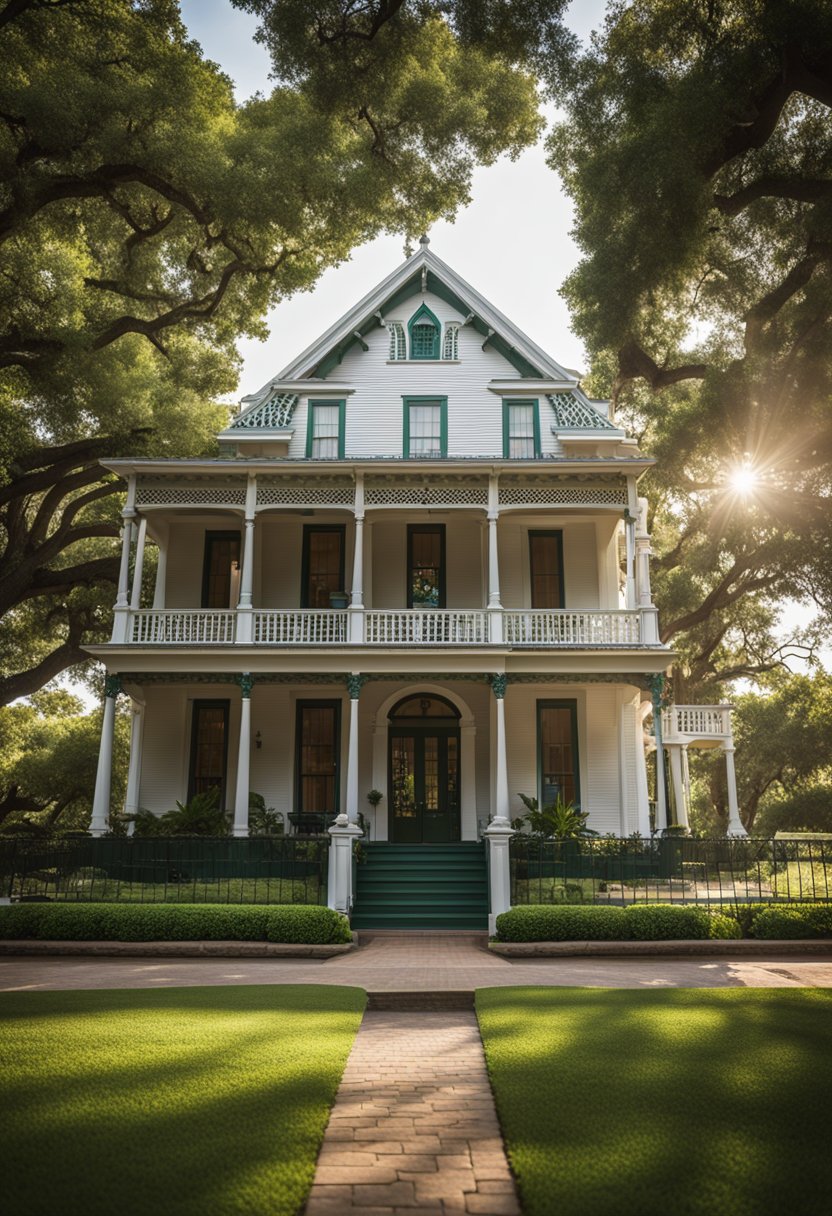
572	413
450	345
426	496
273	414
168	495
511	496
398	346
292	493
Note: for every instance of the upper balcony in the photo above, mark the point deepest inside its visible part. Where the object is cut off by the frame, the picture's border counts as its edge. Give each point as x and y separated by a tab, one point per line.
382	558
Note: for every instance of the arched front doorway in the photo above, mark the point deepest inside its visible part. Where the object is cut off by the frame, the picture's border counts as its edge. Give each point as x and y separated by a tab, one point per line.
423	770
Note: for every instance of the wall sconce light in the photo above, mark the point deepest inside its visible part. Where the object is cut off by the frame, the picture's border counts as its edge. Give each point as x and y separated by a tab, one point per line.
258	740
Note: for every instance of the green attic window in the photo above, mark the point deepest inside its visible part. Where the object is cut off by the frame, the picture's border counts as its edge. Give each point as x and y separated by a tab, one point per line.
425	332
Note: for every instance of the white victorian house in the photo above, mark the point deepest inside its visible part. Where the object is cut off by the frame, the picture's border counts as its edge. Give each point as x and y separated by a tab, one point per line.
419	565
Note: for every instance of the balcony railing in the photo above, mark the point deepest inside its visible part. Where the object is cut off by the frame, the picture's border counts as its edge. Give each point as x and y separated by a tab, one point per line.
176	626
697	721
308	627
556	628
400	627
430	627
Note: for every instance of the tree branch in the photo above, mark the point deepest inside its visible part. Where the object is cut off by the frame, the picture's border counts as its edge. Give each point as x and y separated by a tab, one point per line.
770	186
633	362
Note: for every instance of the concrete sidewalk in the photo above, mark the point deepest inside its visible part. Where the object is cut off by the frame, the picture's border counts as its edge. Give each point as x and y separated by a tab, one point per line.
420	962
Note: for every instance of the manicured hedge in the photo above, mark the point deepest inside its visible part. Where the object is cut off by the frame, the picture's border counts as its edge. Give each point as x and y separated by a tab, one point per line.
636	923
303	924
793	922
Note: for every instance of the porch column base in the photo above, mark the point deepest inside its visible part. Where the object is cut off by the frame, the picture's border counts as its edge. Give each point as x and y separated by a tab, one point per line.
339	892
498	834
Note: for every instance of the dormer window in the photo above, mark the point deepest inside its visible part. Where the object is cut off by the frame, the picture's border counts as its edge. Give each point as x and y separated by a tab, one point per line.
425	332
398	347
450	346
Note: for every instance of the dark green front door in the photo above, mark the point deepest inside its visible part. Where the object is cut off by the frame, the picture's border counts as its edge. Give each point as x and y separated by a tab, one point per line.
424	781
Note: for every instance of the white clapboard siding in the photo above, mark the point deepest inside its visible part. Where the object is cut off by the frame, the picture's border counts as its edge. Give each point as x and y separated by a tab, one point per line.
603	788
374	424
580	561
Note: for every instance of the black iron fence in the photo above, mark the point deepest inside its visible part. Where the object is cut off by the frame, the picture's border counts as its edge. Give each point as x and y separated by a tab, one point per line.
671	869
192	870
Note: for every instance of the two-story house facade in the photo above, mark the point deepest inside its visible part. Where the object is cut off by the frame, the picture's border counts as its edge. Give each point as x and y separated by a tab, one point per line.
418	566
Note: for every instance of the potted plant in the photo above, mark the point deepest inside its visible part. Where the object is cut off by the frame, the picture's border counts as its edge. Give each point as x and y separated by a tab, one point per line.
338	599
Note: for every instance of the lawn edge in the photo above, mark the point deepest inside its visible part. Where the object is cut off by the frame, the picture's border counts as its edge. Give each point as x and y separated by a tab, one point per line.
733	947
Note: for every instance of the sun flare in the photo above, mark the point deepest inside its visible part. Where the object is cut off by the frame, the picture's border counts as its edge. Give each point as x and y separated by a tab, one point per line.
743	479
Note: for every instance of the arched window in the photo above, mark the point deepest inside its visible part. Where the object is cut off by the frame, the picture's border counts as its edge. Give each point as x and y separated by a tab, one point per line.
424	334
424	707
398	348
450	347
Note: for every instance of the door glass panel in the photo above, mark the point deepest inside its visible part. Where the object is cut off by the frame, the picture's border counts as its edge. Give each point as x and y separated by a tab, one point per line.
324	566
431	795
453	773
209	748
545	560
318	758
403	754
222	570
557	754
426	567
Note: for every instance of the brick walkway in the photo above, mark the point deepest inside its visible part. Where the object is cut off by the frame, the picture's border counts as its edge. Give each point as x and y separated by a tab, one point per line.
414	1127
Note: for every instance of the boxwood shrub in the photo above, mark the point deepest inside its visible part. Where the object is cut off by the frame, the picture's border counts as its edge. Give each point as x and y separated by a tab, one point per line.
793	922
635	923
304	924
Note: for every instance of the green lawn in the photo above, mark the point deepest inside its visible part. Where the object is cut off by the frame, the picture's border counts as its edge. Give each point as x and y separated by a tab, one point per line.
679	1102
185	1102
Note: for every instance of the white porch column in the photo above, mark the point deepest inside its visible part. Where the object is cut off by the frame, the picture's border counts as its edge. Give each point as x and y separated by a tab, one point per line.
686	779
657	686
138	566
735	824
163	533
354	684
339	892
134	771
649	612
245	611
501	800
630	541
674	751
495	606
121	609
240	828
100	822
642	788
356	610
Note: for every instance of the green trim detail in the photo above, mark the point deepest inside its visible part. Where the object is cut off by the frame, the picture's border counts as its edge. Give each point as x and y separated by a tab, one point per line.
442	402
310	425
508	402
424	311
499	684
572	705
112	686
354	685
246	682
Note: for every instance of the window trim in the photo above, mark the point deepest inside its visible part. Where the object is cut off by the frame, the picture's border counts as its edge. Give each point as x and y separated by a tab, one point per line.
424	311
535	404
210	536
432	399
415	529
312	404
571	704
308	529
557	533
208	703
316	703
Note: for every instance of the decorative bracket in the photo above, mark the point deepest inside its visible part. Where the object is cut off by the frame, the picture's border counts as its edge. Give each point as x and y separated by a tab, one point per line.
112	686
246	682
499	683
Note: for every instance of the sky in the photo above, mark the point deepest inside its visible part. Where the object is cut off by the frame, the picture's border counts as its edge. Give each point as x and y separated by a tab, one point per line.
511	243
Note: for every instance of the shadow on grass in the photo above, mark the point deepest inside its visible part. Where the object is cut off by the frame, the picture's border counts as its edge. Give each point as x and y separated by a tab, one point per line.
176	1101
669	1101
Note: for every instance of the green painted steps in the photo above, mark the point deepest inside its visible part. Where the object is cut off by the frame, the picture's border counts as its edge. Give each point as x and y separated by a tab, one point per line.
427	886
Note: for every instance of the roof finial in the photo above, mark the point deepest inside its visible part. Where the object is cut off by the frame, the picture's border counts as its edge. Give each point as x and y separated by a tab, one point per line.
424	240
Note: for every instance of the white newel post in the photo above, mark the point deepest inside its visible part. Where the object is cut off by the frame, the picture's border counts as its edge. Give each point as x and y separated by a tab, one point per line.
138	566
246	683
499	831
121	611
134	771
356	611
339	891
735	824
354	683
100	822
649	611
495	606
245	610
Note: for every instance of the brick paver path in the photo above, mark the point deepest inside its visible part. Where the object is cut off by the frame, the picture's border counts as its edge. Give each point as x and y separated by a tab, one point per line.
414	1127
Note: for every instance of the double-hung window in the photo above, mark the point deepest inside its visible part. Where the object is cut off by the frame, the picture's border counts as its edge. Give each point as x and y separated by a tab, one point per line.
557	752
325	430
425	427
521	430
209	748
